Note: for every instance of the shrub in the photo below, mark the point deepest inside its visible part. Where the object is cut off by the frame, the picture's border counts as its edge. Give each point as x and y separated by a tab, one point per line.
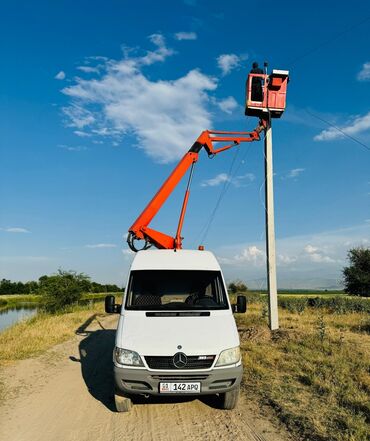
336	305
253	297
237	286
295	304
62	289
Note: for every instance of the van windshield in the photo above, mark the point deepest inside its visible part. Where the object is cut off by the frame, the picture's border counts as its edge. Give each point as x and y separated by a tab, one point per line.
175	289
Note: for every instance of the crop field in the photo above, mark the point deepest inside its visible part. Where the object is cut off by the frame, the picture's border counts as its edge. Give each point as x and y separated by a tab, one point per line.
315	370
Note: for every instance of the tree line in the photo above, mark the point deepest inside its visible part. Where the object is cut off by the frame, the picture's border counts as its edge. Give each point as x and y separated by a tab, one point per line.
36	287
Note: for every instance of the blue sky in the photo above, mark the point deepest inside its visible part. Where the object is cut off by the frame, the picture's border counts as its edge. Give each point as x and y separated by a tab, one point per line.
99	100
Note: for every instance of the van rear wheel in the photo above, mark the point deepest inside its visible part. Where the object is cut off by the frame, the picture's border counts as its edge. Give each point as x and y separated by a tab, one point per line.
123	402
229	399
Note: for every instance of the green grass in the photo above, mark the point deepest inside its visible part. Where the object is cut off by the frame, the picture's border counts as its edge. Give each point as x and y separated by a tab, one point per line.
8	301
314	371
35	335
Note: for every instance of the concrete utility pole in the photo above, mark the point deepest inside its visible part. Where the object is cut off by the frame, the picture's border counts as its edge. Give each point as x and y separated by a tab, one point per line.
270	231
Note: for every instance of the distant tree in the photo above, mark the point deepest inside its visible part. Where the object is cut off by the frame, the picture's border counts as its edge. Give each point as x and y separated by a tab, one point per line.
62	289
43	279
237	286
6	287
32	287
356	276
113	288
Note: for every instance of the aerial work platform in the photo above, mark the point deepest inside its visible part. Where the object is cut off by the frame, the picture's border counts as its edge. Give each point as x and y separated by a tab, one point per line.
266	94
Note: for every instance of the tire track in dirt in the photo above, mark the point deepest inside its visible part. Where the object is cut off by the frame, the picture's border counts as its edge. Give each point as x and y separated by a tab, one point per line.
66	395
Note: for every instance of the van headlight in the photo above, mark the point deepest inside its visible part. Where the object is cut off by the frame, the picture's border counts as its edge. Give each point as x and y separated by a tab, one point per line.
126	357
229	356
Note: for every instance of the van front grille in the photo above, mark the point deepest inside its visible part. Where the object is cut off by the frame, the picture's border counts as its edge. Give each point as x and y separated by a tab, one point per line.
180	377
167	362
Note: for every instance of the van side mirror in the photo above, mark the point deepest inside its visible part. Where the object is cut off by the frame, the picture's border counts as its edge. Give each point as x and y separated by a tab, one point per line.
110	305
241	305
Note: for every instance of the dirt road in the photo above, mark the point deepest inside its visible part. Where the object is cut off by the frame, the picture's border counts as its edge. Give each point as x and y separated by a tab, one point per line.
66	395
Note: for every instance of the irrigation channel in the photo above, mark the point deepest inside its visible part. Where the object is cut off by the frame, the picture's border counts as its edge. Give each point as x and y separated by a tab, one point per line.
10	316
15	313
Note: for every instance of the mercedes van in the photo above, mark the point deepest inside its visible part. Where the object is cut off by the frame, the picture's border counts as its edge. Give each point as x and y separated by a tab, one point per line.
176	332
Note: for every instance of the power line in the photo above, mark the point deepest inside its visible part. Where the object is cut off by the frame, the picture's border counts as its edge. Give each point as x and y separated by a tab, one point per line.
330	40
208	223
205	229
339	130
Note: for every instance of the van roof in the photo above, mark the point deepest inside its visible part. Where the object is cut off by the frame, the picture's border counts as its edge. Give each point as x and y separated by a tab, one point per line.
176	260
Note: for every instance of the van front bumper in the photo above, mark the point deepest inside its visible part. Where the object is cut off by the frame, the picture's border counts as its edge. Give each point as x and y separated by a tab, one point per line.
143	381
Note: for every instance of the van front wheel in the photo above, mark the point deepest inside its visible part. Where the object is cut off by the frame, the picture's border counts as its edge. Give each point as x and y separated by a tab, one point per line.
123	403
229	399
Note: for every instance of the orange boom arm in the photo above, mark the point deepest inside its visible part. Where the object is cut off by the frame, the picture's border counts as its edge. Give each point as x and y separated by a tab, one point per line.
139	229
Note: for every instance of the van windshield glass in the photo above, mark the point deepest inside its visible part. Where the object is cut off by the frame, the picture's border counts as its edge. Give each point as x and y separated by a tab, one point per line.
175	289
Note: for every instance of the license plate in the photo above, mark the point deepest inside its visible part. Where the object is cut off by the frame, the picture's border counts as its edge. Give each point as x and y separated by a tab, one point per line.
179	388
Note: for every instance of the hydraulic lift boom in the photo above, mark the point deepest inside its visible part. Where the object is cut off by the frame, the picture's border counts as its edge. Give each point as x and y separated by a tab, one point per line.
271	104
139	230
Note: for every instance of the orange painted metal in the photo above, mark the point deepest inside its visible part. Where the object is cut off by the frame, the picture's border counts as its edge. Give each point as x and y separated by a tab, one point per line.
161	196
139	229
274	89
178	240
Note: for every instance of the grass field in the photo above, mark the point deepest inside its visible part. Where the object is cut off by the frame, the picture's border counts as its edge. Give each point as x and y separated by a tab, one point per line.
314	371
37	334
8	301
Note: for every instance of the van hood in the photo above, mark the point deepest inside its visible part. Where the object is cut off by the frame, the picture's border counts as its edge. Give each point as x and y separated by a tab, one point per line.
199	335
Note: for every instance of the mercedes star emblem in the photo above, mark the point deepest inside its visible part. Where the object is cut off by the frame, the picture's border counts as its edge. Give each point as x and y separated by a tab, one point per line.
180	360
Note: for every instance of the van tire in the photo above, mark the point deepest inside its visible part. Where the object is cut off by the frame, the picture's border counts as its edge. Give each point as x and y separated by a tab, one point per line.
123	403
229	399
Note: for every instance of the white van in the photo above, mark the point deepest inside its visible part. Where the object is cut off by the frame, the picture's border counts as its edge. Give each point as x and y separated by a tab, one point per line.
176	332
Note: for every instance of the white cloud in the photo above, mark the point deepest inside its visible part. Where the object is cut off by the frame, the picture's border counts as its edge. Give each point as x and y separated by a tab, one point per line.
228	104
78	148
165	116
283	259
251	254
82	134
310	249
364	74
185	36
243	180
319	258
237	181
316	255
307	261
217	180
60	75
15	230
357	125
24	259
79	116
102	245
88	69
294	173
228	62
